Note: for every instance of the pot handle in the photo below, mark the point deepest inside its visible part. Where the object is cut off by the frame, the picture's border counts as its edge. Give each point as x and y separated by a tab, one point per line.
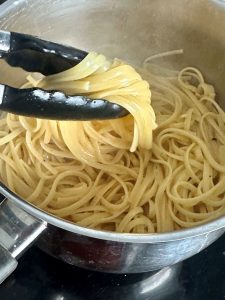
18	230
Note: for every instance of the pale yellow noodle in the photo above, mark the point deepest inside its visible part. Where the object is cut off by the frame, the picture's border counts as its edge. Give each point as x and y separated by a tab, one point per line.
129	174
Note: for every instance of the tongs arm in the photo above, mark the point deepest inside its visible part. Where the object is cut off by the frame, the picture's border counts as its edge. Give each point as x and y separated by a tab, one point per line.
55	105
36	55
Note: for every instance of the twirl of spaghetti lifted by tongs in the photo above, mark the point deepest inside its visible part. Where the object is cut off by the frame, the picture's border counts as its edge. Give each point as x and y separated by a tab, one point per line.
35	55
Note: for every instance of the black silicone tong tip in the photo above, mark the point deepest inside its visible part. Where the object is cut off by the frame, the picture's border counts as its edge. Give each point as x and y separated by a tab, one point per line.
36	55
47	105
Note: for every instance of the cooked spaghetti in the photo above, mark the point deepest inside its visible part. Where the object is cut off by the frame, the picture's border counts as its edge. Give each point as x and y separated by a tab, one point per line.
114	175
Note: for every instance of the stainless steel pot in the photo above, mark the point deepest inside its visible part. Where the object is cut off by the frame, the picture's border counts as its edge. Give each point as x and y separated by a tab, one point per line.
132	30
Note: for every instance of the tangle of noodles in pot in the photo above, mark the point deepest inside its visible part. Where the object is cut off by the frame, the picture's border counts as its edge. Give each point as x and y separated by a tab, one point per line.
111	175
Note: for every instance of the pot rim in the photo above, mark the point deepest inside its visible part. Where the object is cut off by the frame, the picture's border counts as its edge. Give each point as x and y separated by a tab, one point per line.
112	236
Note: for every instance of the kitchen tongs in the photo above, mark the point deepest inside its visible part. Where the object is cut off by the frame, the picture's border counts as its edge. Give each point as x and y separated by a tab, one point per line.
36	55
